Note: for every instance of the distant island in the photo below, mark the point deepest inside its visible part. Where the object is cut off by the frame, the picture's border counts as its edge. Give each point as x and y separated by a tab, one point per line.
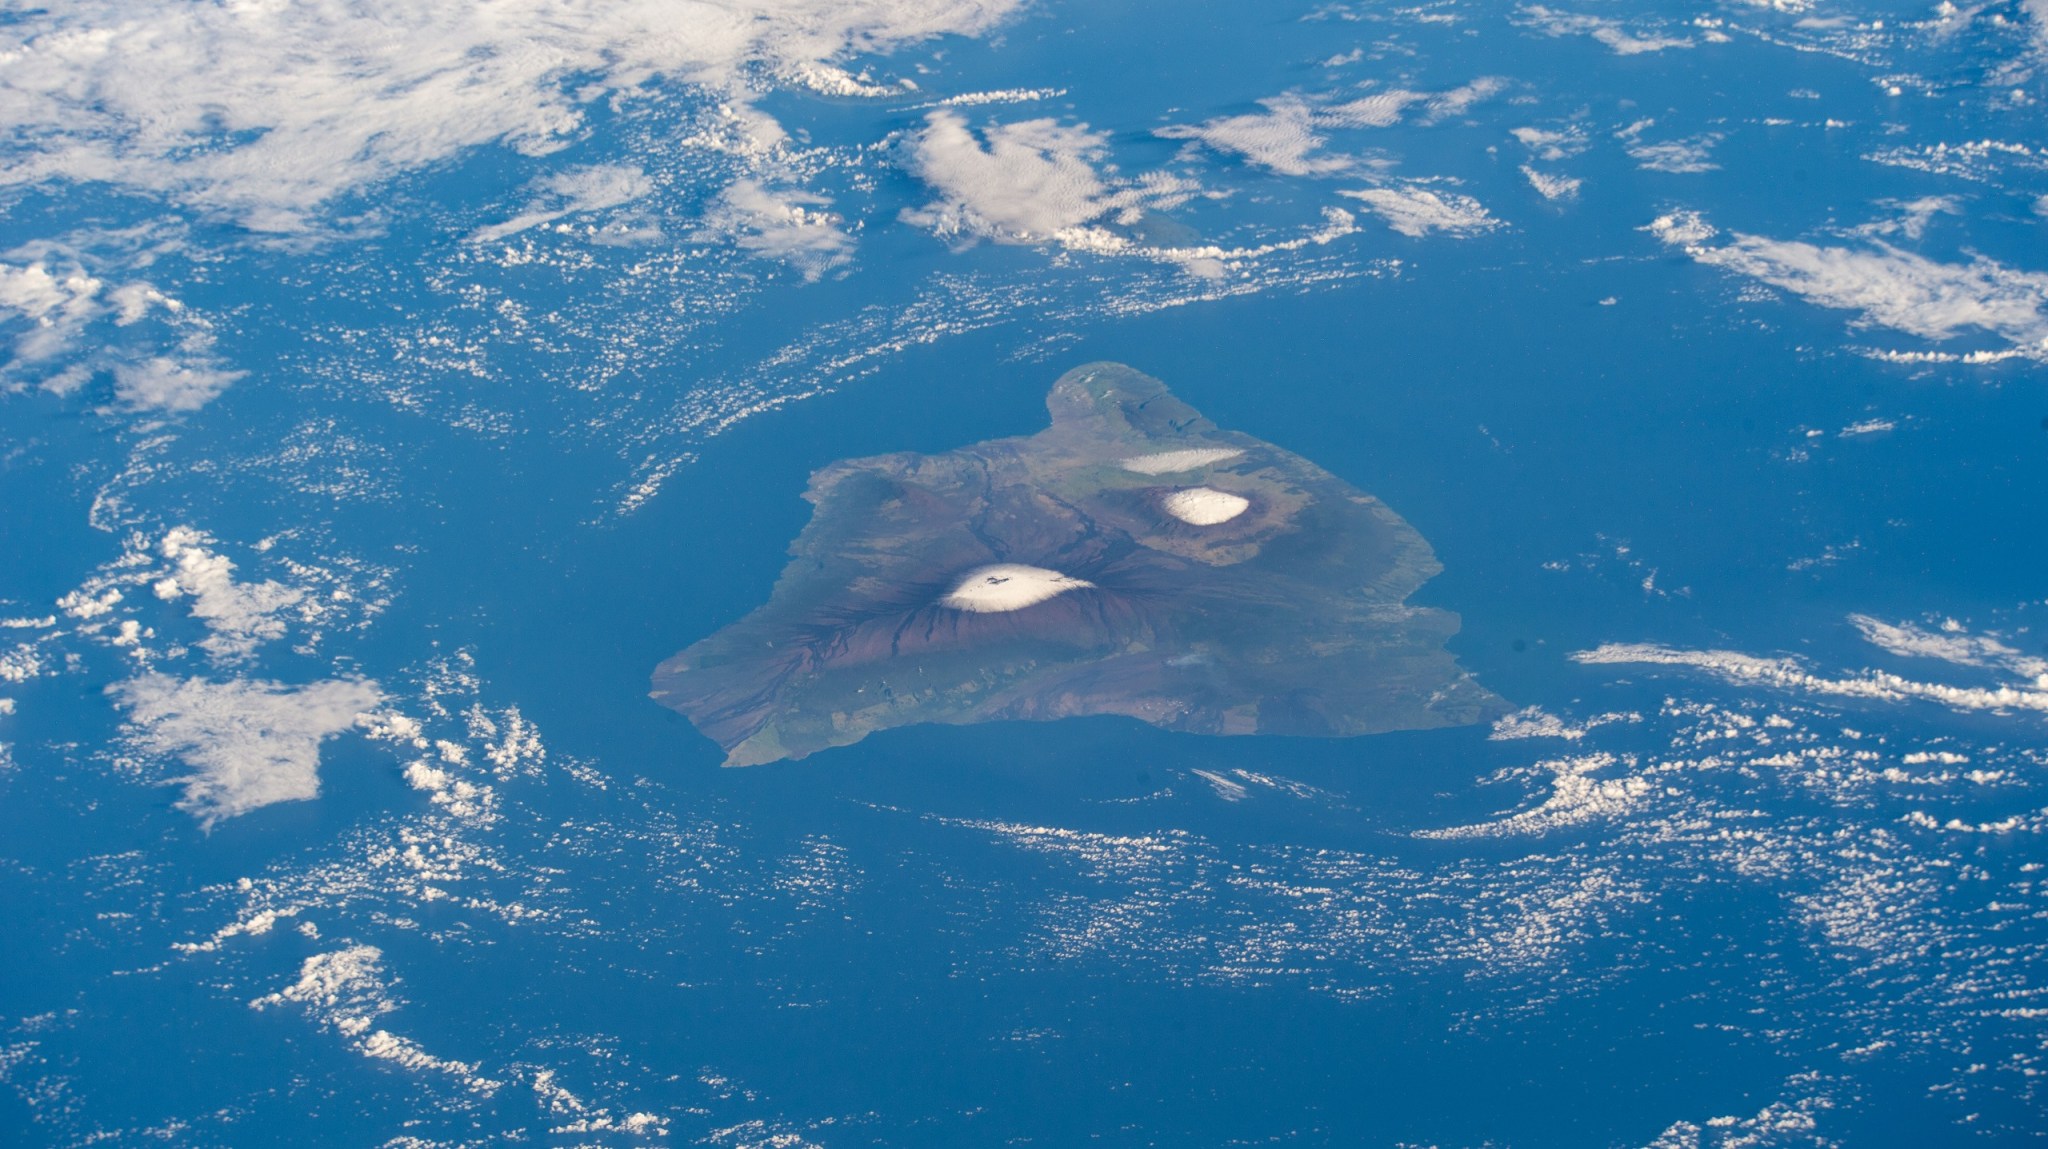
1130	559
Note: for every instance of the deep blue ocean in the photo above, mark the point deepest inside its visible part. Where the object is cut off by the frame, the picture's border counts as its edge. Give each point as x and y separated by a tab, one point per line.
1712	903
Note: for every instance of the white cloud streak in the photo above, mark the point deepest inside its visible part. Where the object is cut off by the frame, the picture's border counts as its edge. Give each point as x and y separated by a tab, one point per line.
1789	675
1888	287
248	743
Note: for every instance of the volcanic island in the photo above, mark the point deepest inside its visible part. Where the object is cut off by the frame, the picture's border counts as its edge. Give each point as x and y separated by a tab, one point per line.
1131	559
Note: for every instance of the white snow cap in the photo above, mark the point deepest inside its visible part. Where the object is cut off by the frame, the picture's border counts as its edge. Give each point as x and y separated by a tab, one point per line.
1204	506
1008	586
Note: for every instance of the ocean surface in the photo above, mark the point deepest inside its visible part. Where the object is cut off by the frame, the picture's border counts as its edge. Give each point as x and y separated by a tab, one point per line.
1731	515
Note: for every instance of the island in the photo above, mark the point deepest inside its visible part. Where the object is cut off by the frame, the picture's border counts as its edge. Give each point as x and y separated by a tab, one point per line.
1131	559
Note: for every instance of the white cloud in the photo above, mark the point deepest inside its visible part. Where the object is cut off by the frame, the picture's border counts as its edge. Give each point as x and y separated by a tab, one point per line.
1577	795
1546	144
56	304
269	111
592	188
1535	722
1789	675
1686	156
346	991
1914	215
1282	138
1417	211
1027	182
1285	137
1682	157
1552	186
1952	644
62	309
1682	228
787	225
1887	286
240	616
1378	110
1461	99
830	80
1608	32
248	743
163	384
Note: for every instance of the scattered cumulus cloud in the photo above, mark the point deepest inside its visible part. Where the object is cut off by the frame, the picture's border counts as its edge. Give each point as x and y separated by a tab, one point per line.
248	743
1376	110
1886	286
1416	211
1680	157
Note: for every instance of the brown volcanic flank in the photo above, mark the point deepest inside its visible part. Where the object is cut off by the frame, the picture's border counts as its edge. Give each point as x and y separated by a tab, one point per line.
1288	618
